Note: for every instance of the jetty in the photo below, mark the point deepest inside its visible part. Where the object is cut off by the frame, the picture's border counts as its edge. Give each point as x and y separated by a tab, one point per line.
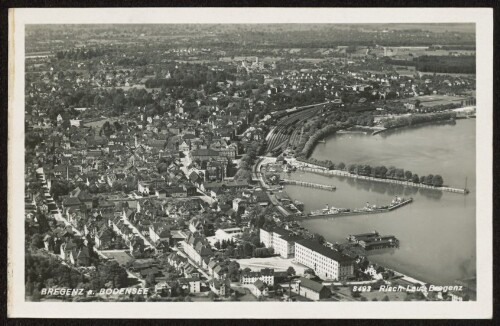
361	211
308	184
373	240
324	171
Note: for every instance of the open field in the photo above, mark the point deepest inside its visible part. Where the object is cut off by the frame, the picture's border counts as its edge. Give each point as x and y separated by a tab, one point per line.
278	263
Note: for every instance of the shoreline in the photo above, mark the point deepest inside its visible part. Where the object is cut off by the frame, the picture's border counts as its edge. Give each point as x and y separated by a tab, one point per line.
376	132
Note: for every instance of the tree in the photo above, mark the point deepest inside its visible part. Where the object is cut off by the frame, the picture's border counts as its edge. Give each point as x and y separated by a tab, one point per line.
28	286
36	241
114	273
318	237
59	188
391	171
429	179
437	180
230	251
341	166
65	124
247	249
106	129
408	175
400	173
139	298
290	271
233	270
150	280
117	126
309	271
234	297
212	295
386	298
415	178
383	171
36	296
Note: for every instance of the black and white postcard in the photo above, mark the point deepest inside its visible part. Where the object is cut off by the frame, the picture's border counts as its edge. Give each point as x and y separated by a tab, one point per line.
250	163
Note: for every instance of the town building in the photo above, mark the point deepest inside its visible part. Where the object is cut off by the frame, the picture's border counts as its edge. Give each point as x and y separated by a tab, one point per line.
265	275
259	289
197	248
191	285
326	263
228	234
219	287
281	240
310	289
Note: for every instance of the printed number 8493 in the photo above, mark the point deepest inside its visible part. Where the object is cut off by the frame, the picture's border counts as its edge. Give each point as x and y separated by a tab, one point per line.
363	288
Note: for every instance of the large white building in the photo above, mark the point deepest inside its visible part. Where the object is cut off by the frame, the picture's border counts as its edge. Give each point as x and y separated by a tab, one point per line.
281	240
266	237
326	263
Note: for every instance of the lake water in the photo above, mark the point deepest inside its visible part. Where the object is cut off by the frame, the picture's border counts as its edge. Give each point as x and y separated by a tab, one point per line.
437	232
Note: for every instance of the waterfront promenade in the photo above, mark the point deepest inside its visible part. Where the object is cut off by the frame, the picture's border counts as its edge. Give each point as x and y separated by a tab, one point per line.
302	166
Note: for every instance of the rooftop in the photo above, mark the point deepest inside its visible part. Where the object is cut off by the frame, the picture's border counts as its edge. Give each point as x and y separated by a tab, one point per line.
312	285
327	252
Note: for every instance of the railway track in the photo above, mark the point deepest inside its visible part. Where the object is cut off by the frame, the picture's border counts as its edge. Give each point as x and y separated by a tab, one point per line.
279	138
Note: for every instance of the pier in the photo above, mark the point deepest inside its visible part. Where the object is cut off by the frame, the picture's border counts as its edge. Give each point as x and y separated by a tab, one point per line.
357	211
362	177
308	184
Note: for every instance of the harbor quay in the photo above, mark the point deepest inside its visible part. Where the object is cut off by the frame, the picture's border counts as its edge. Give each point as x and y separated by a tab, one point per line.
320	170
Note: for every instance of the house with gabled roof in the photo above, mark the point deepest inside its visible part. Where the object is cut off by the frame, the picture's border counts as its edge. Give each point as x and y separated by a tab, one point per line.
259	289
219	272
310	289
220	287
103	237
159	232
80	256
66	248
190	284
211	266
72	202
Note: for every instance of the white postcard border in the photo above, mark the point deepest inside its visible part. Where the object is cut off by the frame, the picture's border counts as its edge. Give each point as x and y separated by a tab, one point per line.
482	308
